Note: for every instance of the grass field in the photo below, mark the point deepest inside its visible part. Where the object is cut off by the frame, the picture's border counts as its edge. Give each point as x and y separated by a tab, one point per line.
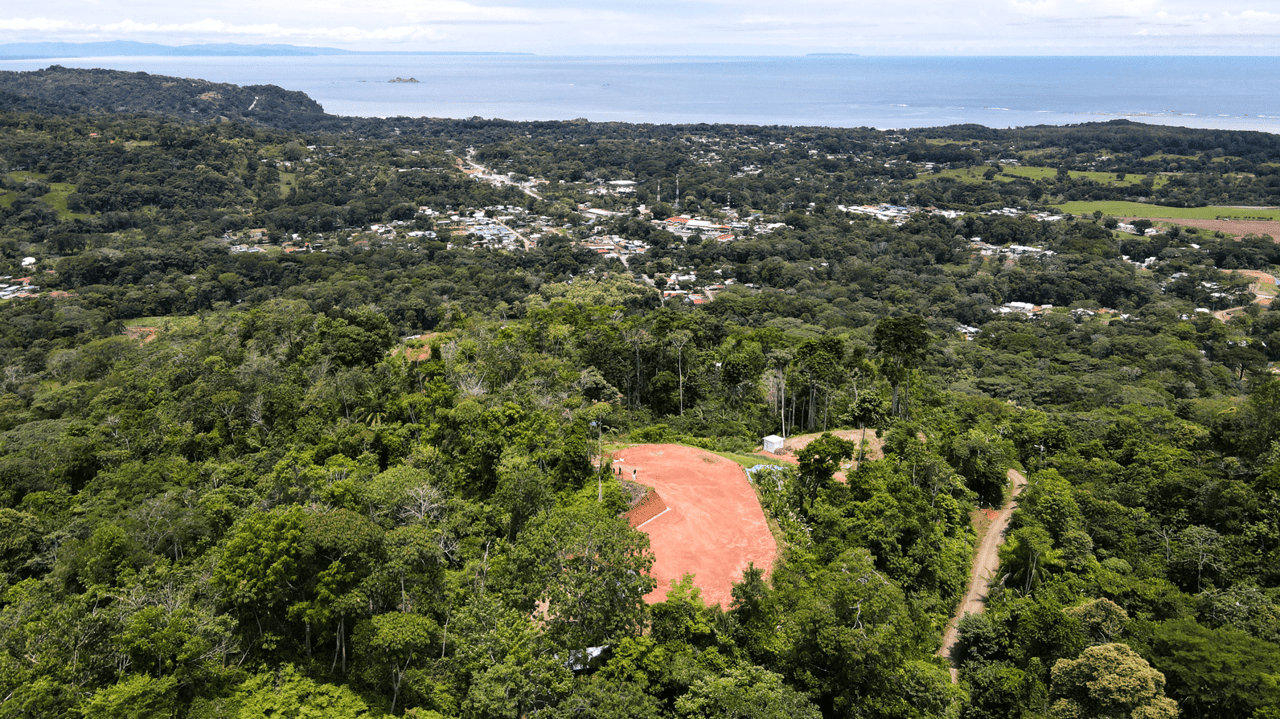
56	197
1167	156
1138	209
172	322
746	460
974	174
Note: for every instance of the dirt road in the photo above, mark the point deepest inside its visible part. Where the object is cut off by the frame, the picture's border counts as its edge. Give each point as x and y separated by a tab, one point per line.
986	564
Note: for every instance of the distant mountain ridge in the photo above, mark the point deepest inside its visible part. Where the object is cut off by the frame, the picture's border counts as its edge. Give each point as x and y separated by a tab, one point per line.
115	48
109	91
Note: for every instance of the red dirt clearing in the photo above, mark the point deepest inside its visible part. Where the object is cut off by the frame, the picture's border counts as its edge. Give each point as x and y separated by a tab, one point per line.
142	334
714	525
647	508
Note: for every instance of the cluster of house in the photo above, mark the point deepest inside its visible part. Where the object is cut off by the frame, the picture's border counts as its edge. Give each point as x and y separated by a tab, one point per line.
683	285
988	250
1023	308
686	226
21	287
615	246
613	187
897	214
698	297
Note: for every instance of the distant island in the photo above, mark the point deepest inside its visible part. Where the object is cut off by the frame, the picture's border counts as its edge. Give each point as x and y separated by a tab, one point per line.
117	48
400	79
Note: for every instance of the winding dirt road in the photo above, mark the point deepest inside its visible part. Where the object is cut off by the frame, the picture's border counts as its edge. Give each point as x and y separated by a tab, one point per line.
986	564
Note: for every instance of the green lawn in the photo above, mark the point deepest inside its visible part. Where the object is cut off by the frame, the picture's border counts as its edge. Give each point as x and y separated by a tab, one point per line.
975	174
1138	209
55	198
170	322
1167	156
746	460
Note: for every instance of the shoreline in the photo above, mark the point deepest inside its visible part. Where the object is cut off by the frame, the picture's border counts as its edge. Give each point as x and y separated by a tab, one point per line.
889	93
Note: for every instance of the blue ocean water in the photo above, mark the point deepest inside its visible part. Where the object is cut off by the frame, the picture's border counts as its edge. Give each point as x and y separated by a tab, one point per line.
882	92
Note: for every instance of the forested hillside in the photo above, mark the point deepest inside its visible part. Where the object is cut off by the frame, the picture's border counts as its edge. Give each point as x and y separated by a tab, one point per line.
312	416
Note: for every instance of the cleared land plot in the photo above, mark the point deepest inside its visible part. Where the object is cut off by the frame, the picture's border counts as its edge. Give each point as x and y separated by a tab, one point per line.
1237	228
417	349
165	323
875	446
1172	214
56	197
874	450
714	527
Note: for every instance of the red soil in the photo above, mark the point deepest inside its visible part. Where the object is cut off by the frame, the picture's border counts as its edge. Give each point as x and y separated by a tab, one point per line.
142	334
650	506
715	526
1260	276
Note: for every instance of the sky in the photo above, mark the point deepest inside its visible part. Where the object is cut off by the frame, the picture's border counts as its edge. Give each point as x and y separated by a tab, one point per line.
666	27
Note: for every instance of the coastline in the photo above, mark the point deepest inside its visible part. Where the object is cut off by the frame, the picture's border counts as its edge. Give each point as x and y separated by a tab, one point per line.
883	93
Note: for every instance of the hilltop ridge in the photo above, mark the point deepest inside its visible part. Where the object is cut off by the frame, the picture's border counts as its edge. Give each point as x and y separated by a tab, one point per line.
63	89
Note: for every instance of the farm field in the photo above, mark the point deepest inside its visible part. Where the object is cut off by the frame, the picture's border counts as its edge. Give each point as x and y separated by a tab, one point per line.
1154	212
975	174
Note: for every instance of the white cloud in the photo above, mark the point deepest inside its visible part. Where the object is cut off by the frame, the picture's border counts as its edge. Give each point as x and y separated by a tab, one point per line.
668	26
39	24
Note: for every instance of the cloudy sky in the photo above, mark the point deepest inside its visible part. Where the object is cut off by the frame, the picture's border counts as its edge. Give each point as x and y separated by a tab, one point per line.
667	27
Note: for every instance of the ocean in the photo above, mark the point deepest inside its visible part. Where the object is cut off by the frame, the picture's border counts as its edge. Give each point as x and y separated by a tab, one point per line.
838	91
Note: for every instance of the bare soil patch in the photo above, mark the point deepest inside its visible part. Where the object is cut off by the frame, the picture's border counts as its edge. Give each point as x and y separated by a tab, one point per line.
417	353
875	445
713	527
874	451
651	505
142	334
1259	275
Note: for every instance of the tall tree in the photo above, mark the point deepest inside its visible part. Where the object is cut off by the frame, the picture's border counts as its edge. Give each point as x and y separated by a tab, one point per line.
901	342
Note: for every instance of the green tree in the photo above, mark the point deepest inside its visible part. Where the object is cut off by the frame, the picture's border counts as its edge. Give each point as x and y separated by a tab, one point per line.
258	571
745	693
1028	558
819	461
287	694
843	632
392	642
901	342
1217	672
591	569
1102	619
138	697
1108	680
